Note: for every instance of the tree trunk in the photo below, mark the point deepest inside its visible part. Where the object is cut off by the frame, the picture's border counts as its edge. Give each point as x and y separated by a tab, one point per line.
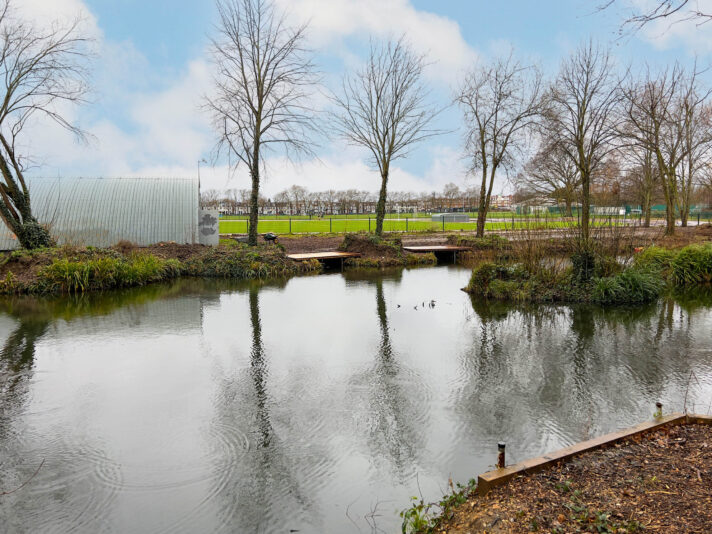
254	197
569	213
381	205
482	205
585	206
481	216
647	207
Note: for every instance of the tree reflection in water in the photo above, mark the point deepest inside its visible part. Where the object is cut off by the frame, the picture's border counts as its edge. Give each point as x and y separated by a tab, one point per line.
547	375
264	476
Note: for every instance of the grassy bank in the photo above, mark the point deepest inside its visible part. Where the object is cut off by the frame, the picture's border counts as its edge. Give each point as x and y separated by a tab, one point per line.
378	252
82	269
594	277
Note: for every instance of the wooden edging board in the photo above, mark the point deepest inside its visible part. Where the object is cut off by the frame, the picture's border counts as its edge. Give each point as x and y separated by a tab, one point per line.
497	477
335	255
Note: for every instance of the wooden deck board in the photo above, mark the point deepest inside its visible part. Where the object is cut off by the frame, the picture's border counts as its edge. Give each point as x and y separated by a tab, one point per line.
331	255
435	248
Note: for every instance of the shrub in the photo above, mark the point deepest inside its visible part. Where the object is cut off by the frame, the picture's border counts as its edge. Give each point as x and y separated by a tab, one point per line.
693	265
632	285
655	258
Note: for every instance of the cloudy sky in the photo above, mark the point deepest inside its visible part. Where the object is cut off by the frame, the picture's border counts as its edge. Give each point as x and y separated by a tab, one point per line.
151	71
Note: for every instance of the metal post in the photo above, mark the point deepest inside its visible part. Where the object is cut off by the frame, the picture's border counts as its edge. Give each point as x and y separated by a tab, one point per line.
443	223
330	219
500	455
658	410
290	225
369	225
406	224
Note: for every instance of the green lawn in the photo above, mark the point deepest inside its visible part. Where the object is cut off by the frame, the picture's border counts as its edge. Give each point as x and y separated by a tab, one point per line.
339	226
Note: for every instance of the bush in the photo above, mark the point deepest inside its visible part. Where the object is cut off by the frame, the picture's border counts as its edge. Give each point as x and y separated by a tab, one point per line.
693	265
654	257
632	285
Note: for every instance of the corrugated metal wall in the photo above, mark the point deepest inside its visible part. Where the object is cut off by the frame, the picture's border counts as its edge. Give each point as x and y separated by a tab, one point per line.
103	211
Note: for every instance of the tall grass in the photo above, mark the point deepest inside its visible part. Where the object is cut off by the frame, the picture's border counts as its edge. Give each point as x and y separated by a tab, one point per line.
692	265
69	276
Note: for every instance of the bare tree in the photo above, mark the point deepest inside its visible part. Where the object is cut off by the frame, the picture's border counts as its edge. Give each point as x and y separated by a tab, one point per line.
580	115
501	101
697	146
262	82
451	192
41	71
641	181
677	10
210	198
383	108
656	116
553	173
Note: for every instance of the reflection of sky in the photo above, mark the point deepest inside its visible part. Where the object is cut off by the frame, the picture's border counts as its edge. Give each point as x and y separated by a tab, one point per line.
162	415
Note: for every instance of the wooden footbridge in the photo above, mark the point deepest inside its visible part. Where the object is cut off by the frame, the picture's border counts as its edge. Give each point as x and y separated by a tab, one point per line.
437	249
325	257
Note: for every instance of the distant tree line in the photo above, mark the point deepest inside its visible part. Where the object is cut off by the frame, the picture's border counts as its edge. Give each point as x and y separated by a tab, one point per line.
298	200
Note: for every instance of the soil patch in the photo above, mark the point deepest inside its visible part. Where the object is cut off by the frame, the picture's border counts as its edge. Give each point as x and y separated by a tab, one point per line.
658	482
312	243
372	247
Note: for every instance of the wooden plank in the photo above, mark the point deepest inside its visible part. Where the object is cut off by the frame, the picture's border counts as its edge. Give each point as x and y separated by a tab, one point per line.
333	255
435	248
497	477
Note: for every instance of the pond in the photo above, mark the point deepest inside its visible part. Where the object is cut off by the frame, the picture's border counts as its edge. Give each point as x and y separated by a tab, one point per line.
317	404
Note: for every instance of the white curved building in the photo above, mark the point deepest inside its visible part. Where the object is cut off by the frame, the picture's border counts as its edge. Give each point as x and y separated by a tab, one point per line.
102	211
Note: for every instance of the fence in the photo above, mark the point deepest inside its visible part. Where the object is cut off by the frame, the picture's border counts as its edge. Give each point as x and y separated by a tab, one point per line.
496	222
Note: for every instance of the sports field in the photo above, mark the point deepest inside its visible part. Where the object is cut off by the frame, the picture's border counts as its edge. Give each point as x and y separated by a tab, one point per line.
284	226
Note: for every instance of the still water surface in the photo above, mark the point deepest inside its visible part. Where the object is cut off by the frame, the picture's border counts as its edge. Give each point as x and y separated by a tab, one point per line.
318	404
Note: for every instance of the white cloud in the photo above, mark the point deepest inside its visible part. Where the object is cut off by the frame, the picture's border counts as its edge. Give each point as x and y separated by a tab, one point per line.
330	21
46	12
147	124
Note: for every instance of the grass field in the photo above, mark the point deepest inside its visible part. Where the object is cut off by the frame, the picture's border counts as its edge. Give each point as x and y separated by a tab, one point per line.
339	226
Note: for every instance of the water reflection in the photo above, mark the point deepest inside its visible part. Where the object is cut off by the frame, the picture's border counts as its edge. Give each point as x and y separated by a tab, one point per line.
302	404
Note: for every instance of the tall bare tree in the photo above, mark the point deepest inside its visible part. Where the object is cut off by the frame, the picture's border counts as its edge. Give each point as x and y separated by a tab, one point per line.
581	115
500	101
383	108
657	111
41	70
641	181
697	146
263	77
